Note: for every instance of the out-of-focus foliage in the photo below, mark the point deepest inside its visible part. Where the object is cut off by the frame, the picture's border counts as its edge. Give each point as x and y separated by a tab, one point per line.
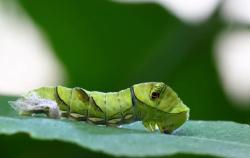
228	139
109	46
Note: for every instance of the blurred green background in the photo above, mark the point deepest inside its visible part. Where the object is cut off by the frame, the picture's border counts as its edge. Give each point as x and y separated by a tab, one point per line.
108	46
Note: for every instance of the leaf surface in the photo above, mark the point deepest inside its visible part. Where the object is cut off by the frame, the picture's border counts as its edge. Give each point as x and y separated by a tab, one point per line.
215	138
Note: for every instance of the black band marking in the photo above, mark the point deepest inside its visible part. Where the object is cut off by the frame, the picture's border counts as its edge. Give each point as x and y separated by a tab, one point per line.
134	101
94	105
61	100
133	97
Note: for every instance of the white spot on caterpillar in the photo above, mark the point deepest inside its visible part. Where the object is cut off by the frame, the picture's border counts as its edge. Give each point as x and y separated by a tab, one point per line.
31	104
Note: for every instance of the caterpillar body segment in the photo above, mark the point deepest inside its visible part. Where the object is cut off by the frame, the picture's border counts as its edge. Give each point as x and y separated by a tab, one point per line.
154	103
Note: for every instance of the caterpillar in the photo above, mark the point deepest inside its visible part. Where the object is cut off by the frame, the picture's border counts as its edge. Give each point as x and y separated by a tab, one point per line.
153	103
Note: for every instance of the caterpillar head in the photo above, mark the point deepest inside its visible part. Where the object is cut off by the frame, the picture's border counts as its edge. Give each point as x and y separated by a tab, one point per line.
160	107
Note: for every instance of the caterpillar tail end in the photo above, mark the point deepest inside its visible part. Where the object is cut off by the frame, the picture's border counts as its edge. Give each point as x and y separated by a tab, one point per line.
33	104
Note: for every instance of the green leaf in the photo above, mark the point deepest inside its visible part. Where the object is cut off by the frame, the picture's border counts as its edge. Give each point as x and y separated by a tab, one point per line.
215	138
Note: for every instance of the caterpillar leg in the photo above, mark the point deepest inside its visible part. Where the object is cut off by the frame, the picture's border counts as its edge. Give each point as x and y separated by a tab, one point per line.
32	104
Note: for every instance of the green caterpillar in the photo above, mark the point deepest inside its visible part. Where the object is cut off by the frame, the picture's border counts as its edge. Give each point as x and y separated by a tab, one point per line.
153	103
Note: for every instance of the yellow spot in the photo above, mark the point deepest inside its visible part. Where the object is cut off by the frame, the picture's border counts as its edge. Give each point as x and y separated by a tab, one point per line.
129	116
113	121
95	119
75	115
